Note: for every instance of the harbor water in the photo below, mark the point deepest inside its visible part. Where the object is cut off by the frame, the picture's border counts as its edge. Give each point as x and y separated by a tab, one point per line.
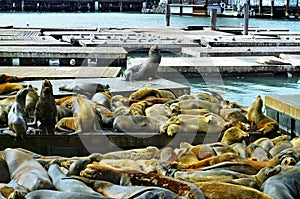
240	89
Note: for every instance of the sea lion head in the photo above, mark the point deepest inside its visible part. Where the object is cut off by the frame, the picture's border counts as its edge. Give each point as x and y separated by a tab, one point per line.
21	95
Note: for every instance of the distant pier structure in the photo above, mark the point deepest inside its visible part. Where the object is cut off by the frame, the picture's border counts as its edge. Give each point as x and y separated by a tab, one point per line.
71	5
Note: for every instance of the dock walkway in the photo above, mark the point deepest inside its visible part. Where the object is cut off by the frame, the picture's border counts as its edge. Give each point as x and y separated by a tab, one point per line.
285	110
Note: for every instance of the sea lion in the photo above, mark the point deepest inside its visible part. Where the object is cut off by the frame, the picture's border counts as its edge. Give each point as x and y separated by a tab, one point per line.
45	109
119	100
62	183
98	171
220	190
233	135
9	78
85	117
103	98
63	111
133	154
116	191
16	116
146	70
191	123
52	194
4	174
135	123
31	100
138	108
197	104
3	116
26	171
259	121
8	88
66	124
87	89
286	185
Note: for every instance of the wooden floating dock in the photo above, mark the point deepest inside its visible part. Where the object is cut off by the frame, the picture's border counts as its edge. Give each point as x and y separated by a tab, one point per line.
100	142
240	51
25	55
285	110
61	72
118	86
195	66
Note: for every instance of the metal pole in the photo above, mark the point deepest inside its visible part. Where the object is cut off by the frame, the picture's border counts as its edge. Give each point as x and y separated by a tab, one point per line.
246	17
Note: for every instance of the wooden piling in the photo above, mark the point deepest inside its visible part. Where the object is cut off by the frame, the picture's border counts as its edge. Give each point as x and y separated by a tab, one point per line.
246	17
168	15
213	19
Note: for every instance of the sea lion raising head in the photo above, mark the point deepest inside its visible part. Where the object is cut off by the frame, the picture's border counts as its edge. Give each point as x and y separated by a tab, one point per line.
146	70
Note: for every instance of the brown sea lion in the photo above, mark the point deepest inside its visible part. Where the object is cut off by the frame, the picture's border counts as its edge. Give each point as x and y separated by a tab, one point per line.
10	78
259	121
66	124
85	117
185	156
135	123
26	171
7	88
16	116
133	154
138	108
7	101
45	109
62	183
31	100
221	190
192	123
197	104
146	70
143	93
233	135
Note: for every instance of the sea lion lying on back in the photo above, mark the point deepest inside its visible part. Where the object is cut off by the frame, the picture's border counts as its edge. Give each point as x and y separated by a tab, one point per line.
146	70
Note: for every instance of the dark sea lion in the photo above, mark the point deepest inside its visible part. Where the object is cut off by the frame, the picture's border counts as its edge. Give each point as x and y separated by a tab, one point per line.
4	174
87	89
63	111
26	171
147	69
16	116
52	194
135	192
63	183
286	185
45	110
259	121
3	116
7	88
